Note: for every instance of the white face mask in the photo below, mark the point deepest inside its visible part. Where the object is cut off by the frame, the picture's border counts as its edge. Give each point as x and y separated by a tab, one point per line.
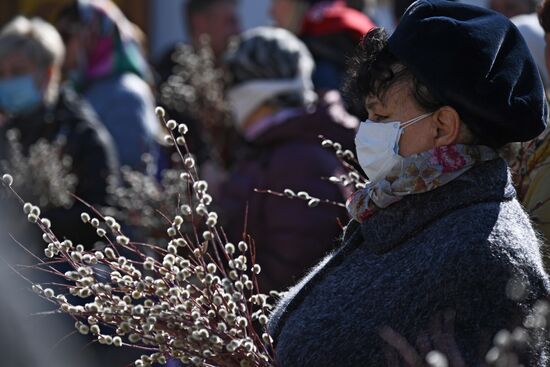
377	145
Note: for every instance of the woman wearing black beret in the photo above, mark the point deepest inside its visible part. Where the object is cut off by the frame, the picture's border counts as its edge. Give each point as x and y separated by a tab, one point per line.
439	253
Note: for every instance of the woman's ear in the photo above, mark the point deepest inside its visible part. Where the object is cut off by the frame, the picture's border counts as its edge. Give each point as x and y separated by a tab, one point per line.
447	126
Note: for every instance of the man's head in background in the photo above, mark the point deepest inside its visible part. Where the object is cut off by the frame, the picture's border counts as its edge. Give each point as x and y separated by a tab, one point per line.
289	14
512	8
217	19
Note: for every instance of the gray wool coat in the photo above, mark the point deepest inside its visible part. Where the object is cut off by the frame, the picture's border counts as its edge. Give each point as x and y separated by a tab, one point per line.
451	254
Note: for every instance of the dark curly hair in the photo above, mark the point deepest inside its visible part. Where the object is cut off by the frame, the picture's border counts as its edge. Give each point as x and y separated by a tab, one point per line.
373	70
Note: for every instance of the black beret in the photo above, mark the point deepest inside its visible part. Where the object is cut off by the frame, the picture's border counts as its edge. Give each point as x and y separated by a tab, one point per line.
476	61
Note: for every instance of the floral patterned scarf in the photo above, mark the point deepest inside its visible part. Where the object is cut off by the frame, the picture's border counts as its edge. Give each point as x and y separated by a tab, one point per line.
110	44
417	174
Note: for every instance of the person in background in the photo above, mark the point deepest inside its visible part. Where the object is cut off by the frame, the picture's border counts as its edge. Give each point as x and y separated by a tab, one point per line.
217	20
512	8
34	105
438	234
536	198
331	29
523	13
210	24
104	62
278	114
27	339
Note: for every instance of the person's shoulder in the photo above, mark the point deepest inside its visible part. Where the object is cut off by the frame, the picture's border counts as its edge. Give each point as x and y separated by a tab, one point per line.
80	120
490	235
125	86
72	107
132	82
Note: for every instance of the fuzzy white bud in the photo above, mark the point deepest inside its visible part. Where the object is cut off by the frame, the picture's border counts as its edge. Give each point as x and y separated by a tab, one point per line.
122	240
303	195
85	217
186	209
168	139
117	341
171	124
313	202
289	193
189	162
110	253
49	293
230	248
160	112
178	220
243	246
200	186
207	235
182	128
46	222
211	268
185	176
8	179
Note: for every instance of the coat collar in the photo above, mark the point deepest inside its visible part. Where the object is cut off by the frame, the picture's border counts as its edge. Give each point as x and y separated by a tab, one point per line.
388	228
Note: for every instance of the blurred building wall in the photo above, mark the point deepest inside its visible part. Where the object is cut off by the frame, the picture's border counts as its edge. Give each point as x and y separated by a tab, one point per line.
167	25
135	10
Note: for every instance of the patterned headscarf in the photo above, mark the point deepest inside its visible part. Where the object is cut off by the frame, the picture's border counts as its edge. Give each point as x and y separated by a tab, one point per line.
109	44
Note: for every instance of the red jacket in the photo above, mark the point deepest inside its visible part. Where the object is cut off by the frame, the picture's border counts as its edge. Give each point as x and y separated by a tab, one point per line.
335	17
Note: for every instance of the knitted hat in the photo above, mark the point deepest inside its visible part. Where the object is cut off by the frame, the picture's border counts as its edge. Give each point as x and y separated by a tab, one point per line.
269	53
268	63
475	60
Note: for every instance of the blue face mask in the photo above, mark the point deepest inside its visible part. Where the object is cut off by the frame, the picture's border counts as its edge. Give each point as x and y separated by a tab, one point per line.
19	95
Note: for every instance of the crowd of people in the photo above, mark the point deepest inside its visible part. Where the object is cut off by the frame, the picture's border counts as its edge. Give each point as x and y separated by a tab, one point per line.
454	147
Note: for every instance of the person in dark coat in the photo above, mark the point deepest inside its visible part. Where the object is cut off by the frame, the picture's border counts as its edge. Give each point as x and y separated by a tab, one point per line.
331	29
37	109
277	114
438	233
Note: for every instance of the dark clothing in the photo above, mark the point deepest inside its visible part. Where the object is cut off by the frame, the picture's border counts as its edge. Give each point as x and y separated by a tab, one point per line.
91	149
454	248
290	237
332	31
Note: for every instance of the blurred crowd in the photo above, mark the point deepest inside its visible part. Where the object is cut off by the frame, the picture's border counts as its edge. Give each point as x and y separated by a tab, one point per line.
77	111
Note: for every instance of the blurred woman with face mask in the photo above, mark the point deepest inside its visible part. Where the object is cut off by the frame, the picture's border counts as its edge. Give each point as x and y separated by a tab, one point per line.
35	109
